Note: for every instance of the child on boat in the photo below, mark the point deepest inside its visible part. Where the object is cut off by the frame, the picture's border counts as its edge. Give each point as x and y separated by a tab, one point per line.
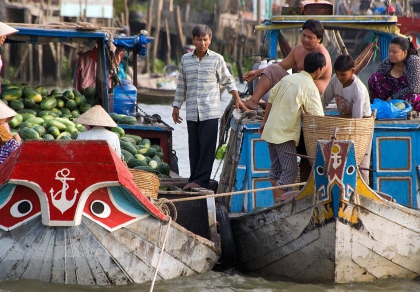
8	142
282	120
352	98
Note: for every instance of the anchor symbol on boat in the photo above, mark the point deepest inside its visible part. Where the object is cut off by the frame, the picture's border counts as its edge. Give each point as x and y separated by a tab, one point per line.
62	203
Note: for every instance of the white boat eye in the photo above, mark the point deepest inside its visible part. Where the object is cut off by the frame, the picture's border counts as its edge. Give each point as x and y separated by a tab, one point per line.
351	169
320	170
100	209
21	208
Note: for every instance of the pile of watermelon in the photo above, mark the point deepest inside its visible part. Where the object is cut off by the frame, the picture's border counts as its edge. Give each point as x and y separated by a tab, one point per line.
46	115
139	153
51	116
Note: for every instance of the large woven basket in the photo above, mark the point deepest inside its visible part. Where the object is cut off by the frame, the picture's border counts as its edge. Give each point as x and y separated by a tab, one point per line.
322	127
146	181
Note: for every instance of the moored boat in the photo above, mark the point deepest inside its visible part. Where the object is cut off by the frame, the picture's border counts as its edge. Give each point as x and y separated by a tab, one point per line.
73	215
337	228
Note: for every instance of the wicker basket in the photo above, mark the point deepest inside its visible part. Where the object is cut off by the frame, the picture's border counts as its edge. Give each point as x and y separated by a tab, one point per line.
147	182
322	127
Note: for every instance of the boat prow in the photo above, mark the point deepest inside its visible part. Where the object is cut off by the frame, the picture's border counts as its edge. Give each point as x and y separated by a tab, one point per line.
336	229
72	214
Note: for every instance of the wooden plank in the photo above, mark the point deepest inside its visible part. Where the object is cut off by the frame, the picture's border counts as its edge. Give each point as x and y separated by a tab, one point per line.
179	32
31	64
168	41
40	65
157	32
22	245
149	29
58	269
113	272
48	255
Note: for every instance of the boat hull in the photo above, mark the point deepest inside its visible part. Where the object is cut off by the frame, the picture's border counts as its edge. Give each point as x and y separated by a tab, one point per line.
336	230
89	255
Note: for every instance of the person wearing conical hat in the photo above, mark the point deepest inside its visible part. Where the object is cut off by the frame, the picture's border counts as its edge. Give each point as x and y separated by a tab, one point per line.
5	30
96	119
8	142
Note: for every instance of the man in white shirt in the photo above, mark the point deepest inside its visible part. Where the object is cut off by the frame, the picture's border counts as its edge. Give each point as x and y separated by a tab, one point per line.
97	119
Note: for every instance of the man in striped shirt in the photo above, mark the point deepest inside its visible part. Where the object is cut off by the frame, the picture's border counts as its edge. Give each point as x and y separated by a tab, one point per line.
200	75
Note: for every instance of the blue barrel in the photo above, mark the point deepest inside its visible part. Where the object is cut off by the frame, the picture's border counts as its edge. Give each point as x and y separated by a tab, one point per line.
125	98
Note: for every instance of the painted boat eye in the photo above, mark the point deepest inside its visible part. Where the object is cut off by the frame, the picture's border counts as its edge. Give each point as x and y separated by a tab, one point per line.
100	209
21	208
320	170
351	169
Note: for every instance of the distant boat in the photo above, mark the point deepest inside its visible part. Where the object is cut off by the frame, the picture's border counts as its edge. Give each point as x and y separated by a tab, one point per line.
159	88
156	88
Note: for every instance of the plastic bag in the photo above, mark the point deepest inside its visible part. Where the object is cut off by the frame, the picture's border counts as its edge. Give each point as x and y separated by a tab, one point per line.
393	109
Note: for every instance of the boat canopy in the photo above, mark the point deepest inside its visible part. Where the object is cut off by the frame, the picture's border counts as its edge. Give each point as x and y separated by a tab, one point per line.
386	27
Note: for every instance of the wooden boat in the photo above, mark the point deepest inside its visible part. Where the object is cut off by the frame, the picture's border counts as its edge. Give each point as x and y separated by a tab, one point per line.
147	126
337	228
156	88
71	214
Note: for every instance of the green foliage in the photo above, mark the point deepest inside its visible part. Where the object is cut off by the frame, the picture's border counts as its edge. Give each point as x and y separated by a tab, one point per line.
138	7
118	7
197	5
159	64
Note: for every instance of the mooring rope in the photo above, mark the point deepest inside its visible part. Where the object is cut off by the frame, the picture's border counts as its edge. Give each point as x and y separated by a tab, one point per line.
161	254
162	205
237	193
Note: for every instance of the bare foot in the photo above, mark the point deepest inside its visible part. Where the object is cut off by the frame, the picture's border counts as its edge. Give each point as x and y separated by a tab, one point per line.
191	185
251	104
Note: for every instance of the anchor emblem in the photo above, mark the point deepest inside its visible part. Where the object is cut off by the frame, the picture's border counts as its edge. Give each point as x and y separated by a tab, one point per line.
62	203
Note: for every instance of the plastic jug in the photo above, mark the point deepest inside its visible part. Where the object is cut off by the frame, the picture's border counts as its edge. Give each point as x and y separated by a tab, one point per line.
125	98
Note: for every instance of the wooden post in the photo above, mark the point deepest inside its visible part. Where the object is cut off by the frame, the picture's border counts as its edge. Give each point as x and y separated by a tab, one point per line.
31	64
149	30
126	16
59	63
22	62
157	32
6	61
41	69
178	27
258	33
168	40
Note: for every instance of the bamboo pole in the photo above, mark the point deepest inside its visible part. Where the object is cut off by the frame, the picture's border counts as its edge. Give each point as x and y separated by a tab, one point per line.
31	64
178	27
40	65
157	32
59	64
149	28
168	40
22	62
6	60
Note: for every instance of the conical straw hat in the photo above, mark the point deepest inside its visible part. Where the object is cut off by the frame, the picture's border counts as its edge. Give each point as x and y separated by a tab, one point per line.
96	116
5	111
6	30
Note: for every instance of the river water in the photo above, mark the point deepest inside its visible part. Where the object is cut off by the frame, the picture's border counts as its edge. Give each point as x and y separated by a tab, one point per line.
223	281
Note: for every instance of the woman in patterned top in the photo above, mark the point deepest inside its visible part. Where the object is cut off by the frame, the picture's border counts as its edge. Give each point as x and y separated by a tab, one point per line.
398	76
8	141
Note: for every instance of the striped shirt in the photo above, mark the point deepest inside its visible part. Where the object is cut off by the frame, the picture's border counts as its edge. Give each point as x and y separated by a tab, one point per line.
199	84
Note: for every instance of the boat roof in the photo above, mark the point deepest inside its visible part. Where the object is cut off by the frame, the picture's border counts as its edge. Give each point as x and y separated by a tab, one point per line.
379	23
53	33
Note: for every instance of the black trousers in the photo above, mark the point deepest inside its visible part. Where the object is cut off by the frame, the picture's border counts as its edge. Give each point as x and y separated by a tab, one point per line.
202	139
